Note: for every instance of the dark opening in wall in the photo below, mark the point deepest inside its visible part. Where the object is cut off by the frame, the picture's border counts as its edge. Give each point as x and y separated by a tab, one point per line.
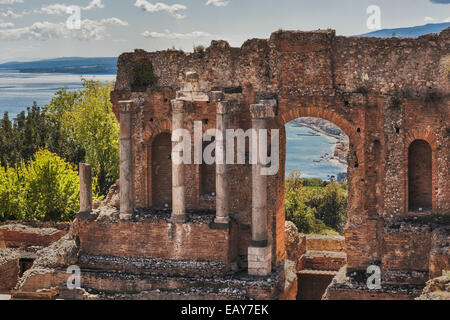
420	176
231	90
207	175
25	264
162	170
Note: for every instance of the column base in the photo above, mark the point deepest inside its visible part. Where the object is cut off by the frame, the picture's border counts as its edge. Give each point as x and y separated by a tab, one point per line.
259	261
222	220
126	216
180	219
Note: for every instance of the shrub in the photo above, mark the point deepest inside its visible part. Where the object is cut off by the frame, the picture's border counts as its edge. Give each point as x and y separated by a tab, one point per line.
50	188
199	49
11	181
143	74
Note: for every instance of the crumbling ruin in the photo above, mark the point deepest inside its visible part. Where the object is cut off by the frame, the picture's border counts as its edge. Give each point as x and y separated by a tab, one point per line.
191	232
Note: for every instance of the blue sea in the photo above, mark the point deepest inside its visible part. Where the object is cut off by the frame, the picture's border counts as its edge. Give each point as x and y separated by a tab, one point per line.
19	90
304	148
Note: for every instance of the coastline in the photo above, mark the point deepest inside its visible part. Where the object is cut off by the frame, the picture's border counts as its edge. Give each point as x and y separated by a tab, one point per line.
334	139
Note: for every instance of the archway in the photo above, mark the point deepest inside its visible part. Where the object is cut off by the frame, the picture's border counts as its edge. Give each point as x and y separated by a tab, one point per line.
161	170
319	150
420	176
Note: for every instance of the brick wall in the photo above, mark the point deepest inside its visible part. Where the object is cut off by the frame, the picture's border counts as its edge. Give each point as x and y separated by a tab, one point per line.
157	240
325	243
9	272
20	235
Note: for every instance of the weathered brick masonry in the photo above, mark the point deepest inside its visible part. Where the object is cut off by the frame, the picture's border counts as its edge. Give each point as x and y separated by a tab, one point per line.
384	93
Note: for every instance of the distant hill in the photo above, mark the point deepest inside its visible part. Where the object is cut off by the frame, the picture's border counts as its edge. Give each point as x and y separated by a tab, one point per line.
411	32
73	65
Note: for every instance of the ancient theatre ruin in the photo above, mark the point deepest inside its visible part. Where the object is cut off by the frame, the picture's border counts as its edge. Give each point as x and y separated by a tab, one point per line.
198	231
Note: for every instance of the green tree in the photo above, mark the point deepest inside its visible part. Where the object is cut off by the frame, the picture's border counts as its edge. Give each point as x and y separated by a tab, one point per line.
298	210
90	130
333	207
7	142
63	141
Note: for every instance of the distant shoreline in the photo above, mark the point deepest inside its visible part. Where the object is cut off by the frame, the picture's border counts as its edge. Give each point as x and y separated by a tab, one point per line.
337	140
61	71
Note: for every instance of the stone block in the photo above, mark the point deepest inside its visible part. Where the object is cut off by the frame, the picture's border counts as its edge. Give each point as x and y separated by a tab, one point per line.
259	261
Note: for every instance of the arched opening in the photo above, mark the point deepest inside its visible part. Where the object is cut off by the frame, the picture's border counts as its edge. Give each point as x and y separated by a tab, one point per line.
162	170
316	198
420	176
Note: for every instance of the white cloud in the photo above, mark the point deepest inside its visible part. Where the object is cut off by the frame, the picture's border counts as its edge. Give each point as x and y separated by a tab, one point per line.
6	25
446	20
115	21
428	19
90	30
94	4
217	3
173	35
10	14
173	9
58	9
10	1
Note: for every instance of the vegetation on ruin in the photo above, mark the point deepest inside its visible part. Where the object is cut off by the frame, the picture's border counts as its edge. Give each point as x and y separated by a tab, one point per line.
199	49
398	96
144	75
316	206
76	126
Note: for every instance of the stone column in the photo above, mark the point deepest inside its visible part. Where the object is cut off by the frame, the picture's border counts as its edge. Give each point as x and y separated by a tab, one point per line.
222	192
85	187
178	185
260	252
126	161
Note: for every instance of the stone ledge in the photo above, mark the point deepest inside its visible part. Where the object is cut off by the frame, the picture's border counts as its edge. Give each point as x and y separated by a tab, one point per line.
323	260
345	287
119	283
154	267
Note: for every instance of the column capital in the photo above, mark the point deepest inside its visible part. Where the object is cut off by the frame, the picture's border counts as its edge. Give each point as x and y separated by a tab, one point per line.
264	109
192	89
125	105
216	96
227	107
223	107
178	106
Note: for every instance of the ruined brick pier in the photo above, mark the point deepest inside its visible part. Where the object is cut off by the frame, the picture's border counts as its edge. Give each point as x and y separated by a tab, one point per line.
202	230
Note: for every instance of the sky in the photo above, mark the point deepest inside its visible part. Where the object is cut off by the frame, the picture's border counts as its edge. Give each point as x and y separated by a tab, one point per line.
36	29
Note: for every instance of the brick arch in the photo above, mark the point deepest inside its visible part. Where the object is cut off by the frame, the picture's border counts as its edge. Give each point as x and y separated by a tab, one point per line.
315	112
154	129
428	135
421	133
327	114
